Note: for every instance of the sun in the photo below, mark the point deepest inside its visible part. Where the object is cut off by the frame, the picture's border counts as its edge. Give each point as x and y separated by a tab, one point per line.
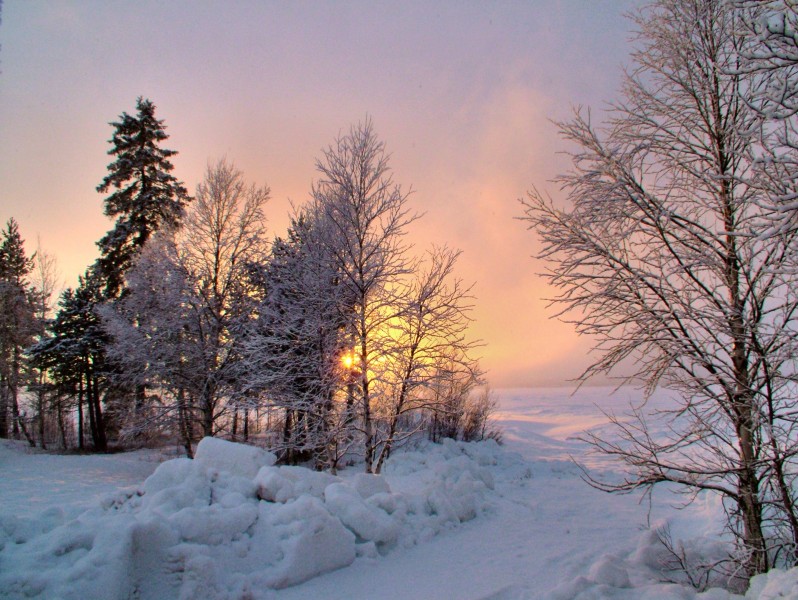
348	360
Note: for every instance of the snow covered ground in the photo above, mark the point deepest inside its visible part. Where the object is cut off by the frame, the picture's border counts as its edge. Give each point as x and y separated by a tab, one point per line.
453	521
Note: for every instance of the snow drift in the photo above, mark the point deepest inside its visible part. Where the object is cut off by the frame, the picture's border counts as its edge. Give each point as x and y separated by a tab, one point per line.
231	524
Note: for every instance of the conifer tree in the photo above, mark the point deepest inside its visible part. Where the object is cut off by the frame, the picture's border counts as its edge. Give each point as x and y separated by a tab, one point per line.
16	323
145	195
75	354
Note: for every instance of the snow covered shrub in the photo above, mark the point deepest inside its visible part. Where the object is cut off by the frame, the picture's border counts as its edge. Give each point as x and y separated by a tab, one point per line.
463	415
698	562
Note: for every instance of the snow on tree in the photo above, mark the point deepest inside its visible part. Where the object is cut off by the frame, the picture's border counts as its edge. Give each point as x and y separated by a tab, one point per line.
769	58
354	338
365	217
661	258
145	195
294	348
74	354
186	293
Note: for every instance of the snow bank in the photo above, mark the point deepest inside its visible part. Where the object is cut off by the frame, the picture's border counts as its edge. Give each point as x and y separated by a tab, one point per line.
640	576
230	524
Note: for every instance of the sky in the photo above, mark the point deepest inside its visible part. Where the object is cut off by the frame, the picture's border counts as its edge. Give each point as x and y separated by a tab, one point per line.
463	93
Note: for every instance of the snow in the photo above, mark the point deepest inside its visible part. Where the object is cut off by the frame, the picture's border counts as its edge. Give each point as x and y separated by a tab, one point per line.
471	521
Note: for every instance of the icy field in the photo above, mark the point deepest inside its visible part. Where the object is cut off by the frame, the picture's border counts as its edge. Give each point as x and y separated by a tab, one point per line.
452	521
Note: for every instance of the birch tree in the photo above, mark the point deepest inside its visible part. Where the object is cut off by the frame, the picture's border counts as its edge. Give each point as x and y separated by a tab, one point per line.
365	218
431	347
294	348
186	295
44	279
660	258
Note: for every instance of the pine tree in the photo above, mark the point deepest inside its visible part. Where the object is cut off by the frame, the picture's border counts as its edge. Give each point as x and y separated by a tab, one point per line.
17	323
75	354
145	195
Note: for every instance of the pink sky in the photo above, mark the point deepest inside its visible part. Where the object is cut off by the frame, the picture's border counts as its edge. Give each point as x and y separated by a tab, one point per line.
461	92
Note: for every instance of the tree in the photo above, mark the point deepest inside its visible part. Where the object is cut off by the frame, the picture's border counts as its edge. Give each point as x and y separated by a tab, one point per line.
44	278
364	219
189	292
145	195
74	354
294	348
661	258
432	349
17	325
769	59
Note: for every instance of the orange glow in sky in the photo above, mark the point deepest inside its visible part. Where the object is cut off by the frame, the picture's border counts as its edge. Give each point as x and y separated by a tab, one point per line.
461	92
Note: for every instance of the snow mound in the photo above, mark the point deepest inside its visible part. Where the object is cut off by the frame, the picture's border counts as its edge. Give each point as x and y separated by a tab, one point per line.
640	576
230	524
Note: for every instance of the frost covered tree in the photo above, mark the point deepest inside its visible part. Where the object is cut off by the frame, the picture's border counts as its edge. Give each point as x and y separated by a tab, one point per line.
364	217
294	348
189	290
769	59
144	194
74	355
431	347
661	258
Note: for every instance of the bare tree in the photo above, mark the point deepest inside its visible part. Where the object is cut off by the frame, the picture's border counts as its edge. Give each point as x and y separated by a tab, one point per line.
44	279
661	259
188	294
430	344
365	216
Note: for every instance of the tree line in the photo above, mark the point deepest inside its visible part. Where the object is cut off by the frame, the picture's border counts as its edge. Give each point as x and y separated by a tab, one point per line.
678	255
329	343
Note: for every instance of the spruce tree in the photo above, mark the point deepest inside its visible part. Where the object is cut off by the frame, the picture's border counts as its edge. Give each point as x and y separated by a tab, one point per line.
17	323
74	353
145	195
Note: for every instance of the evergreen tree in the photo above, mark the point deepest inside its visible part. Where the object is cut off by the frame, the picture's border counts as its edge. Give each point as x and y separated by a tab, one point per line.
145	195
17	324
75	354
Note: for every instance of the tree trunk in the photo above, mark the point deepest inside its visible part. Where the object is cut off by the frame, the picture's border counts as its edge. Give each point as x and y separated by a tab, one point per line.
90	407
366	401
13	381
3	406
25	432
61	425
184	423
287	433
96	415
81	443
41	420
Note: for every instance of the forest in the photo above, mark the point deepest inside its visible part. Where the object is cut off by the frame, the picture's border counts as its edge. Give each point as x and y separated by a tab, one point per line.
332	340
